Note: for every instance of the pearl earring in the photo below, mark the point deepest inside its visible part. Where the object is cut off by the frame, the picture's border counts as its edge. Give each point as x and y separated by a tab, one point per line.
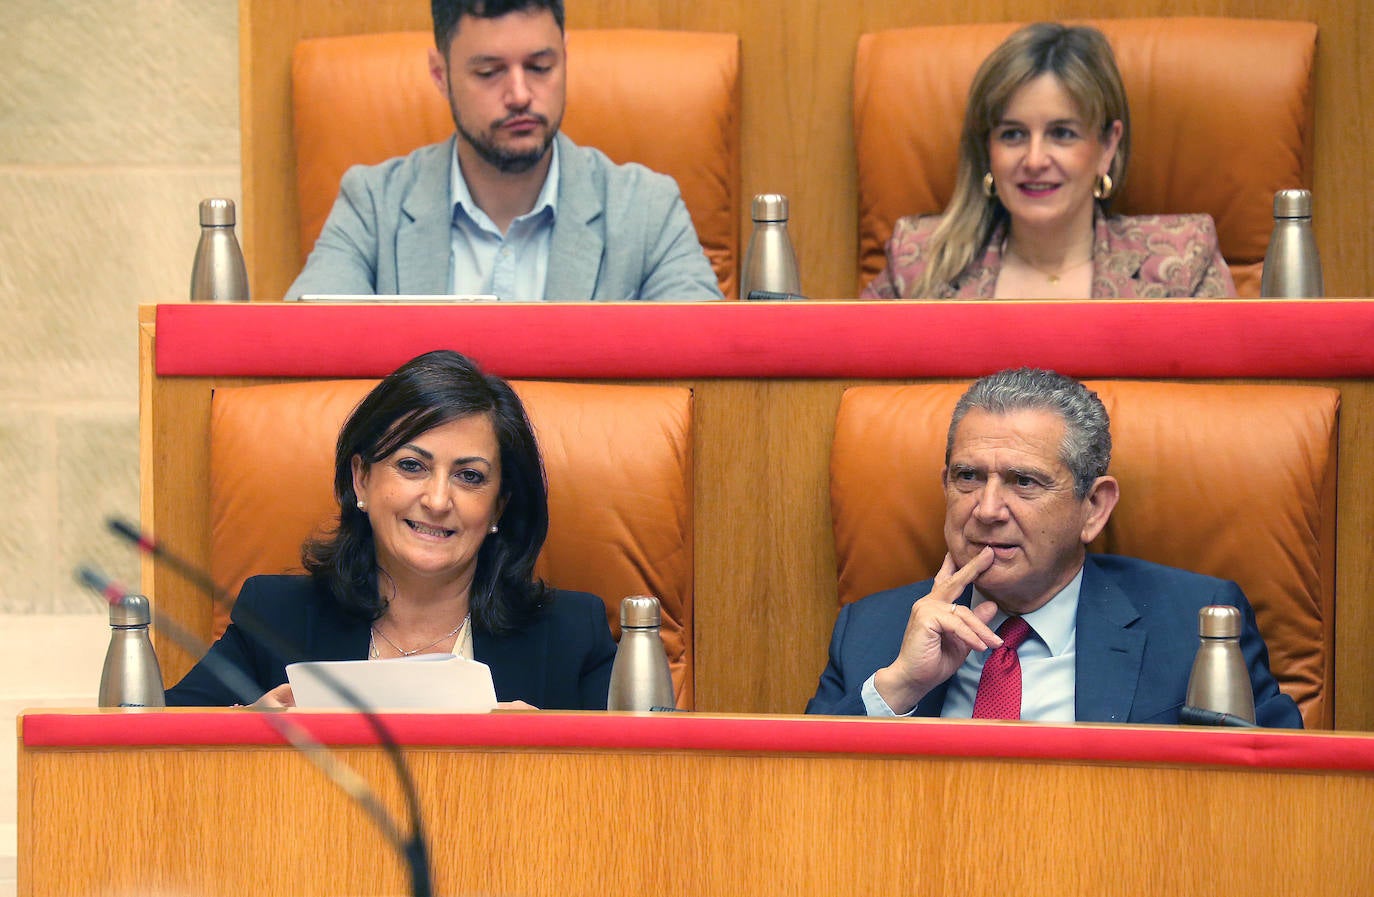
493	529
362	505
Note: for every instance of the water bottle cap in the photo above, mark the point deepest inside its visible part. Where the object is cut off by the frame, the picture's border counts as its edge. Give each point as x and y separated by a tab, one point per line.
1218	621
131	610
639	612
770	207
1293	204
216	213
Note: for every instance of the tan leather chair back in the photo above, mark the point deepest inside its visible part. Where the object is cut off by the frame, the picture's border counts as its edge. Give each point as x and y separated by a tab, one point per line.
1231	481
1221	118
619	465
364	98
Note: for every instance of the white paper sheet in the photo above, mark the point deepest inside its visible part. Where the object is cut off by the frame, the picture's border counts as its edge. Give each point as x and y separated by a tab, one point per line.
438	682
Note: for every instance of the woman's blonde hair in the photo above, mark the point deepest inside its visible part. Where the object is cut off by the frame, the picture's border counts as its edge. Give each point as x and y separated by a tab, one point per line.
1082	61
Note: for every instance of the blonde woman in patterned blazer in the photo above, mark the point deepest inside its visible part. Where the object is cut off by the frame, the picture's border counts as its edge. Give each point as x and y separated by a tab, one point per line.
1044	148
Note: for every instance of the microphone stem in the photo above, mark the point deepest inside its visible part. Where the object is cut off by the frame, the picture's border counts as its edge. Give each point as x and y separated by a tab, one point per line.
415	851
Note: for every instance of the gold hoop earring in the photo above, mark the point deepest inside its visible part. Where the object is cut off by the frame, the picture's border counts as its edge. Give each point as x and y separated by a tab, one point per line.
989	186
1103	188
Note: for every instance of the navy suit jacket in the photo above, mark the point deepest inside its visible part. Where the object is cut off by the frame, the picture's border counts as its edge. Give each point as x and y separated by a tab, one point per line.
561	660
1136	636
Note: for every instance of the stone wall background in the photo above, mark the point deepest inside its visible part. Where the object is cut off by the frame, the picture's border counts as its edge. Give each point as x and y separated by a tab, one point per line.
116	118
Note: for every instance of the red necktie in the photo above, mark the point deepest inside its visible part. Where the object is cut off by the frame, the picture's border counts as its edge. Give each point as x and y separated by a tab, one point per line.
999	689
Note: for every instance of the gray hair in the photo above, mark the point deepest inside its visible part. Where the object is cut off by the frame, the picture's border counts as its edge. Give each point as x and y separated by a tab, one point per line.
1087	447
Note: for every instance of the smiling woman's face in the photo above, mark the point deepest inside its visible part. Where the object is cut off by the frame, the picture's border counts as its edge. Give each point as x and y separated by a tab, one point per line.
432	501
1045	160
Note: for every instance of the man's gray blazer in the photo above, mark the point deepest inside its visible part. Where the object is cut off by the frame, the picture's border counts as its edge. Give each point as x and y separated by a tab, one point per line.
621	232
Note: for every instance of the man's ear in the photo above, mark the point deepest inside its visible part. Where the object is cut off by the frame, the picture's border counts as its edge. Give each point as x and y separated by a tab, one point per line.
438	72
1098	505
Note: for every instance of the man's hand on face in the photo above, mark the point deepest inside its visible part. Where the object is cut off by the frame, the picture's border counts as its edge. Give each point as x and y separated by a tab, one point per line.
939	636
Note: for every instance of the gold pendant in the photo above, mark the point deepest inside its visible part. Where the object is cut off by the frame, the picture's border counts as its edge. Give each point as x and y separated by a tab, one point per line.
1054	278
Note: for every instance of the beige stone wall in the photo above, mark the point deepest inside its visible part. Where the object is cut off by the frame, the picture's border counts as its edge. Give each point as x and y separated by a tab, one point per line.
116	118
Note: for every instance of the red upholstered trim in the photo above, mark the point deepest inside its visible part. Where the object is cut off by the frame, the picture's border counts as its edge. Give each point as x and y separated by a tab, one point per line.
1168	339
780	735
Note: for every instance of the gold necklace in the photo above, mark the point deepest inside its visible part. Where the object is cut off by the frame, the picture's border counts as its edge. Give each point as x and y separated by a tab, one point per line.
372	644
1052	276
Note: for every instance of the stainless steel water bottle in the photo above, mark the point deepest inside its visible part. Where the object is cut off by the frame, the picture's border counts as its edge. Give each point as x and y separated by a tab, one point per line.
1219	681
770	264
131	677
639	676
218	273
1292	268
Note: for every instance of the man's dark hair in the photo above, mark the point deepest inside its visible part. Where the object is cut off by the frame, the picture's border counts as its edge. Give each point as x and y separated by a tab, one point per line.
448	13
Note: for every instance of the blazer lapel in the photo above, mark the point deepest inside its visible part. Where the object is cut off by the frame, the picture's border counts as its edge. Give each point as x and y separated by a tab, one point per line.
423	235
518	661
1116	262
335	636
575	253
979	280
1109	650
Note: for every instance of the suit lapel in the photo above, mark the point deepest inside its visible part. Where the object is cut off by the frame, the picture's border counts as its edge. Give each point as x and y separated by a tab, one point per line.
575	253
518	661
1120	278
423	235
1109	650
333	634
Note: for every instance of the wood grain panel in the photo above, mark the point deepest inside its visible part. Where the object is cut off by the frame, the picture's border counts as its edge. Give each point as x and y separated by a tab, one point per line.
556	822
797	66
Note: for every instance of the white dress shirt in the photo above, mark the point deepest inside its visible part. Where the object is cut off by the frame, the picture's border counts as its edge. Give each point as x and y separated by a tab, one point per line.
1047	658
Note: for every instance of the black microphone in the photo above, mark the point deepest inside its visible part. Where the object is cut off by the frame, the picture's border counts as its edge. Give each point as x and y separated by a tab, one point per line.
414	850
1197	716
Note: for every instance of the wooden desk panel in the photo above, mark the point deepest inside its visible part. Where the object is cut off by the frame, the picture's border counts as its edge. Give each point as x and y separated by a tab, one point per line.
678	813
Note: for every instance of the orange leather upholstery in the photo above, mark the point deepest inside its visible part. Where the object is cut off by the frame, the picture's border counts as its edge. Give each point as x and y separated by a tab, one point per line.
1221	118
1231	481
364	98
619	465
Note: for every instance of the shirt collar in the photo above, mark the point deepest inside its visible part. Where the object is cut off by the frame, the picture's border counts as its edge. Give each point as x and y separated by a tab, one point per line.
1053	621
461	198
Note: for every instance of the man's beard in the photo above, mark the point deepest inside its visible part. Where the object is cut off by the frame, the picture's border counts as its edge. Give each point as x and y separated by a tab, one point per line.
501	158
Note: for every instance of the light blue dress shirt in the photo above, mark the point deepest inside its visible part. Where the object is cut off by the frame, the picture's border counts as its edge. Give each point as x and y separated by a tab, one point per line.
1047	665
483	261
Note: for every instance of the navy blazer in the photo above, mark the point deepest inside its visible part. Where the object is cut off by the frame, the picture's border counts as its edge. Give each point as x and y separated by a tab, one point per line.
1136	636
561	660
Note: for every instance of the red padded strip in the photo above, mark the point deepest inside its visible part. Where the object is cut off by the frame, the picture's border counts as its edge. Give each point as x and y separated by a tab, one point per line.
781	735
1302	338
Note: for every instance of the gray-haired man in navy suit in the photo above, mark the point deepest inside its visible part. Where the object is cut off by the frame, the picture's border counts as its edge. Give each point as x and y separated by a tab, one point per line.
1109	639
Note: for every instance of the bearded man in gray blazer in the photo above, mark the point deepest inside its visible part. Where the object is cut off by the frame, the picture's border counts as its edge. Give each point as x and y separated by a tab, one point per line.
507	206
